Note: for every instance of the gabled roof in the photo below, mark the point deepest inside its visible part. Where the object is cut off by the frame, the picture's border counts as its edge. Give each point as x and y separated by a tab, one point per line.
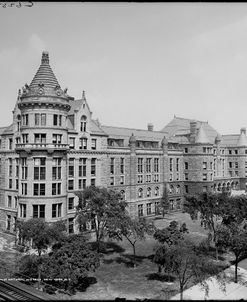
75	105
181	126
230	140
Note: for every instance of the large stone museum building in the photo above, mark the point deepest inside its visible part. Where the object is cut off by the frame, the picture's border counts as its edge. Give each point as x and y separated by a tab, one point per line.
54	147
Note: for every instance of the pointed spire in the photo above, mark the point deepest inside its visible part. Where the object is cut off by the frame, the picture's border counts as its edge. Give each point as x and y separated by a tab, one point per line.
201	136
45	57
83	95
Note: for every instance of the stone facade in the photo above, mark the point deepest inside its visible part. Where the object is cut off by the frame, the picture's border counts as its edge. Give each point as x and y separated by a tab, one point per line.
54	147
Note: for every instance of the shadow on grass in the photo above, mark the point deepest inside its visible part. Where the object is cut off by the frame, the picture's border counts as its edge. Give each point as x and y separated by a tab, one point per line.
160	277
127	259
107	247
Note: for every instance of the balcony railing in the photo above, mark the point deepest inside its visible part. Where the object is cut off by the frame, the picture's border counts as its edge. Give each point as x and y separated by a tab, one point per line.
41	146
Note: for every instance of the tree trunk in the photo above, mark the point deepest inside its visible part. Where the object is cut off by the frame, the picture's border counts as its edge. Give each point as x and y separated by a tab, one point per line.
236	271
134	253
181	292
216	252
39	276
159	269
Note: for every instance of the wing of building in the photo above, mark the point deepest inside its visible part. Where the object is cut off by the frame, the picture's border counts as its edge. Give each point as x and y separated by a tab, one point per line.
55	147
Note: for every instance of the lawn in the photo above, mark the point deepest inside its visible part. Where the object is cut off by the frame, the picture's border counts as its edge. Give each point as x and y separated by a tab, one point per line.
117	278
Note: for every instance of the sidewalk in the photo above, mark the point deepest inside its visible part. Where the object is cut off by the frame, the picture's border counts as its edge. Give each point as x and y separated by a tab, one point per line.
233	291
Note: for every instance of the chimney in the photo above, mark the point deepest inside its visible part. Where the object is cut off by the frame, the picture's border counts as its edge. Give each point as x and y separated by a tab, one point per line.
243	131
150	127
193	131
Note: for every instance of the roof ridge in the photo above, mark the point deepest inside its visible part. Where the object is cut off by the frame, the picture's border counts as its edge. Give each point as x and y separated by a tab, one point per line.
133	129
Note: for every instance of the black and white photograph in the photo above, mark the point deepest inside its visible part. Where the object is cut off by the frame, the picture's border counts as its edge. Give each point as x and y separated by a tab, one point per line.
123	151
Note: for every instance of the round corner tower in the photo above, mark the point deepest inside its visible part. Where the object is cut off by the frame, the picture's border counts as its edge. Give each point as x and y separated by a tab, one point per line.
43	146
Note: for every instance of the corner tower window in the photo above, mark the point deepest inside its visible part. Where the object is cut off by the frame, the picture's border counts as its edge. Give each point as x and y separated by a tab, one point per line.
83	123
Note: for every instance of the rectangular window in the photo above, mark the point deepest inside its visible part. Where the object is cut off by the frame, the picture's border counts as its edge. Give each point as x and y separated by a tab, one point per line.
39	168
23	210
10	167
156	165
177	164
17	167
10	143
10	183
156	177
140	210
36	119
71	203
39	138
71	142
149	208
185	150
71	167
148	178
25	138
93	181
25	119
186	189
204	177
8	222
148	165
122	180
230	152
204	165
112	165
23	188
83	143
171	164
186	165
236	165
93	166
186	177
230	164
236	151
56	210
57	120
17	184
140	179
71	225
43	119
93	144
82	167
112	181
39	211
140	165
82	183
56	138
56	168
39	189
121	165
9	201
56	188
70	184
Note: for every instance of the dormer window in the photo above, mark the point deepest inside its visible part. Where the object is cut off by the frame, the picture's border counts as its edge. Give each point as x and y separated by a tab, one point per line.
83	123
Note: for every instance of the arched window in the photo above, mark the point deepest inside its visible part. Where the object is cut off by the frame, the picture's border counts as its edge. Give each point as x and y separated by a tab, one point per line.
148	192
157	191
83	123
122	193
140	193
171	189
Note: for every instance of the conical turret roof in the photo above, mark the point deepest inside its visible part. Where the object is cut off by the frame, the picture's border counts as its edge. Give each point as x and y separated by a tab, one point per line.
242	141
44	82
44	75
202	137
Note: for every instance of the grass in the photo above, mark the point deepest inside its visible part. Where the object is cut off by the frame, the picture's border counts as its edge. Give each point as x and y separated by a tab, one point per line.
116	276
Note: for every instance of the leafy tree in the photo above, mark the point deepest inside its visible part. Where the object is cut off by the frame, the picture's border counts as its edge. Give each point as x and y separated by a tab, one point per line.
71	259
100	206
207	207
187	265
171	234
131	229
234	237
164	202
41	235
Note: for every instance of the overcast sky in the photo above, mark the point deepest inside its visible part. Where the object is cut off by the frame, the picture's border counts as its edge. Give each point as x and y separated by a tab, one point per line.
137	62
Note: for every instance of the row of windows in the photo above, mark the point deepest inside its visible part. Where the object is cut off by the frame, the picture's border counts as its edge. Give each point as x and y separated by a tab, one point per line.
82	167
83	143
171	164
40	119
39	210
148	178
174	204
148	192
140	165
